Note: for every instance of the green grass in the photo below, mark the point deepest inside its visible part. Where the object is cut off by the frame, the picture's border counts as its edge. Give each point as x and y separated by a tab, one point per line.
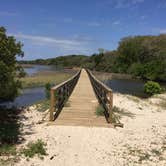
40	79
35	148
100	110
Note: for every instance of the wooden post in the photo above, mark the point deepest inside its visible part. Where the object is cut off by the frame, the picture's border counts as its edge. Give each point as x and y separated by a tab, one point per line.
52	104
110	106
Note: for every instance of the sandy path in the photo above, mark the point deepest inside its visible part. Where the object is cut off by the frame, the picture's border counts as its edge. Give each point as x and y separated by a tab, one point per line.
142	141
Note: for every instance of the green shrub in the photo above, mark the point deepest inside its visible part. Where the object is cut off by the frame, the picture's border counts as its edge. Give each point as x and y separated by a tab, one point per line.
34	148
152	88
100	111
47	90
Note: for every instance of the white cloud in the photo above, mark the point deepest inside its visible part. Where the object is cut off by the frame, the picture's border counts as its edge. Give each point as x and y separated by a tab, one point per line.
116	22
162	30
45	39
83	38
76	45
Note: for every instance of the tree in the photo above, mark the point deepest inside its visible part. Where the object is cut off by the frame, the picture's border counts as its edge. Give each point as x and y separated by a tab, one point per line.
143	56
10	71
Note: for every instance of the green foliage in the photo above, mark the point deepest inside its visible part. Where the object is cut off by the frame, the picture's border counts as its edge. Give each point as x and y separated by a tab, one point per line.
9	69
152	88
100	111
61	61
34	148
143	56
47	90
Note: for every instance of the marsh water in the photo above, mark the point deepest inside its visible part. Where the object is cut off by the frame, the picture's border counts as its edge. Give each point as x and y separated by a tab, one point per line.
30	96
39	68
127	86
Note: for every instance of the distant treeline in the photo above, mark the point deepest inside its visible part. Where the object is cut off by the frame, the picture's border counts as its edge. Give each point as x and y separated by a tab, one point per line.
62	61
140	56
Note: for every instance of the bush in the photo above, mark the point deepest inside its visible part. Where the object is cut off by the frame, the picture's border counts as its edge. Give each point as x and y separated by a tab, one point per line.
152	88
100	111
34	148
47	90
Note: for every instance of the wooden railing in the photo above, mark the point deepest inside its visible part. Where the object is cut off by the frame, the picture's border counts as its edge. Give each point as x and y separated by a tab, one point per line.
105	98
60	94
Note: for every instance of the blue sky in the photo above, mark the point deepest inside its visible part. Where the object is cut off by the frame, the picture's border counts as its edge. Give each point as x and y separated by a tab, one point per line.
50	28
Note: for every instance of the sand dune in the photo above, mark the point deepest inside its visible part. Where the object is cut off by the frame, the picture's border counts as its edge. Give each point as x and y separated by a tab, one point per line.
142	141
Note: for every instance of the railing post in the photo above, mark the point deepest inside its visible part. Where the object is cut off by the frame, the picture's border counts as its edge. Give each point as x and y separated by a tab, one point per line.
110	107
52	104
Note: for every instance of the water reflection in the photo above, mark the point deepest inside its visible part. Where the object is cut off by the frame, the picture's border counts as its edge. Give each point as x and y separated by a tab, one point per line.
124	86
38	68
27	97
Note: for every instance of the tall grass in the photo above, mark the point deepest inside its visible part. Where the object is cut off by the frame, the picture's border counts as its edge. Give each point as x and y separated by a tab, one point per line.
42	78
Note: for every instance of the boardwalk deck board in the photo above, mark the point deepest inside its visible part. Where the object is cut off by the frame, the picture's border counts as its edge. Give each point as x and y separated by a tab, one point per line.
81	106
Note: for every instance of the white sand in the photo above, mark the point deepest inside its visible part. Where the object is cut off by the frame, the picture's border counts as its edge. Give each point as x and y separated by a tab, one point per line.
144	130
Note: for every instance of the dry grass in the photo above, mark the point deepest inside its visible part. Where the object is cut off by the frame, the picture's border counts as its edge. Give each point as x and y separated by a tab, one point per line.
41	78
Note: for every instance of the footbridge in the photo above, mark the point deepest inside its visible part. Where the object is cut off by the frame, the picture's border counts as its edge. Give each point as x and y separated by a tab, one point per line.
75	101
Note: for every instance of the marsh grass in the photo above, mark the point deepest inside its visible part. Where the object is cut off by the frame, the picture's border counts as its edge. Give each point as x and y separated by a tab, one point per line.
40	79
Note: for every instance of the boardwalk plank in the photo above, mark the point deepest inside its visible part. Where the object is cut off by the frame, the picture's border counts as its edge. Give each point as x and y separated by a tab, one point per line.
81	106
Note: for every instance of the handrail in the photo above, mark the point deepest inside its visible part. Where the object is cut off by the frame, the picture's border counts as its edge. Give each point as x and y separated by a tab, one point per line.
60	93
105	98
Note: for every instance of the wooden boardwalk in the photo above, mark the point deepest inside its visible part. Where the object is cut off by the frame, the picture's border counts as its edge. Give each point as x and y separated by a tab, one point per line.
81	106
